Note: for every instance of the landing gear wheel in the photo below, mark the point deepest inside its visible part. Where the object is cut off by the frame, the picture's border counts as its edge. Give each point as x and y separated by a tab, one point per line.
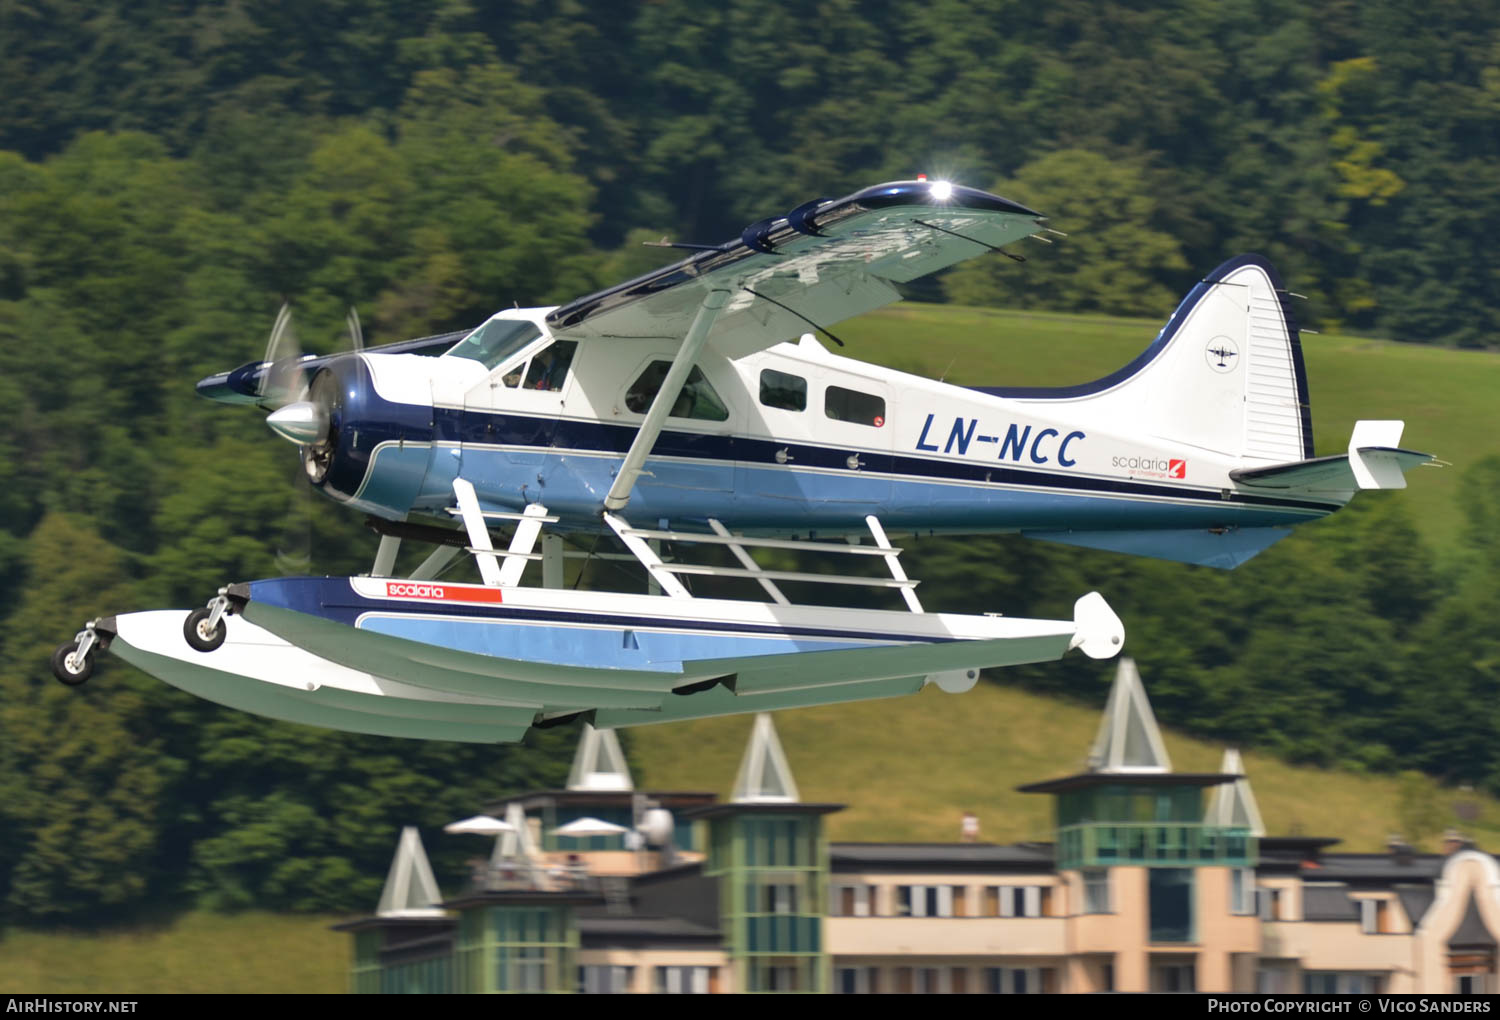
69	668
195	630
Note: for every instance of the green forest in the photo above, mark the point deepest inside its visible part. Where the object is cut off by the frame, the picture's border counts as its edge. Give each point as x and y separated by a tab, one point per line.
170	173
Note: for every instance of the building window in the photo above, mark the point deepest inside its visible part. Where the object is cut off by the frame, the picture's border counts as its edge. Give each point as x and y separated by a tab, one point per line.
1170	895
1275	980
1096	892
682	980
1017	900
774	978
853	406
852	901
781	390
1241	891
1330	982
698	398
1273	904
1374	916
528	969
1013	980
857	980
925	900
1173	977
1469	984
605	980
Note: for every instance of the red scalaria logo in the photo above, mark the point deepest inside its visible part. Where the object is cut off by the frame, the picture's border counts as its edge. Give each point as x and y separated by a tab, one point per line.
416	591
1177	469
441	592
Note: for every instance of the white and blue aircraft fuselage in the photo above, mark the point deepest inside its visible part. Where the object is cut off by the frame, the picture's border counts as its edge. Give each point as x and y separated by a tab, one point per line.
1199	450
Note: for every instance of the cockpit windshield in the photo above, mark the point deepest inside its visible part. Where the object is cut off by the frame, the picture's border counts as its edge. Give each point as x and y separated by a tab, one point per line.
495	341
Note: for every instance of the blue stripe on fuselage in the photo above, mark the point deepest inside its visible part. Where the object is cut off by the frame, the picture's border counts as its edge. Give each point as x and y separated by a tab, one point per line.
573	465
781	499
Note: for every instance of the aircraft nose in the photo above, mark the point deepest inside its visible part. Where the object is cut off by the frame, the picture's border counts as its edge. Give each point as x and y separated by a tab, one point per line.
302	422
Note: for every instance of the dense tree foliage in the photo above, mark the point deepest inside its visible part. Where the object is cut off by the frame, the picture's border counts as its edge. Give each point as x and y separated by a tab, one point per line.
171	172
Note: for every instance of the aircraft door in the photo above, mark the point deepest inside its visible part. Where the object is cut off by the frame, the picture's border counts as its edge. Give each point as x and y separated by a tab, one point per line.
510	423
694	455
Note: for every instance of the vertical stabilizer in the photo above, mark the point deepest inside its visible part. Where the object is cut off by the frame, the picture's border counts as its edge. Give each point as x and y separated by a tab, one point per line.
1225	374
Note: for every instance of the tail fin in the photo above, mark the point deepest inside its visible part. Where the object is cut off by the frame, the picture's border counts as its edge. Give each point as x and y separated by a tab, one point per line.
1224	374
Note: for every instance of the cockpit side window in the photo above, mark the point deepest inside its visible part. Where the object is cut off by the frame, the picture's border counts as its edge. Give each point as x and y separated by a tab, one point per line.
495	341
698	398
549	366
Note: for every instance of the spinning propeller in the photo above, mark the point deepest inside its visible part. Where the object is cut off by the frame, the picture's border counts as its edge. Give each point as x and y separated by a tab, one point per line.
303	415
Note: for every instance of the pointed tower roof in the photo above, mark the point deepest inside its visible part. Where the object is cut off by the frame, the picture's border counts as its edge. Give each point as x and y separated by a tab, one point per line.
1128	740
410	889
599	766
1233	805
764	777
1471	931
516	843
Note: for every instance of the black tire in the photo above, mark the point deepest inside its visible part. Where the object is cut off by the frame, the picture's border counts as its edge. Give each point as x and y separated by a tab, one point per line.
192	630
75	673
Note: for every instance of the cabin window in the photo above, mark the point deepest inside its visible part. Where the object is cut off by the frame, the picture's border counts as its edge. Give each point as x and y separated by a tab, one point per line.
779	389
853	406
698	398
495	341
548	369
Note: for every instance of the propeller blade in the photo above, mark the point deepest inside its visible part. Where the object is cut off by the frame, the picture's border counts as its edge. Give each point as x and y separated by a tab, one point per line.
282	380
356	331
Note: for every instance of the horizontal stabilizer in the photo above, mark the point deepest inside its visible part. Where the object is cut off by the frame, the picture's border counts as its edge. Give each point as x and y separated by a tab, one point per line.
1374	461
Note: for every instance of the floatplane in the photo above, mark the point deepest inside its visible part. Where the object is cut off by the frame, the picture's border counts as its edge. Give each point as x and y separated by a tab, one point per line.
683	408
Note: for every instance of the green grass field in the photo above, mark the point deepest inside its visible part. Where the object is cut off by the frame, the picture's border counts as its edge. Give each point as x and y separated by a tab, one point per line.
1448	398
909	767
197	952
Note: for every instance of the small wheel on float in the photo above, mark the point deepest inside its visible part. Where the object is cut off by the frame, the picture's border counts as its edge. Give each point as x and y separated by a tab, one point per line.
71	668
195	630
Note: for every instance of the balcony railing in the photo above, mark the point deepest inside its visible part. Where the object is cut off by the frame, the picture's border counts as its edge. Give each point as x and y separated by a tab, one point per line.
1154	844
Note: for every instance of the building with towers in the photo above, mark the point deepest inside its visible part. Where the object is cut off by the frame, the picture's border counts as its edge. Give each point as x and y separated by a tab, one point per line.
1154	880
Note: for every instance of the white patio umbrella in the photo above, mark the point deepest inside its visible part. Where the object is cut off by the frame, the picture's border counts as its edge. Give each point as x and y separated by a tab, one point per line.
589	827
479	825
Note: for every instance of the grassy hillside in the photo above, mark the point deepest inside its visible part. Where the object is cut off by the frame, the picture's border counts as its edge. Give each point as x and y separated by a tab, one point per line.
199	952
1447	397
909	767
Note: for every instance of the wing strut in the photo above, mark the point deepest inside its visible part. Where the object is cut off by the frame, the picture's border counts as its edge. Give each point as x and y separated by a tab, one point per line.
671	388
